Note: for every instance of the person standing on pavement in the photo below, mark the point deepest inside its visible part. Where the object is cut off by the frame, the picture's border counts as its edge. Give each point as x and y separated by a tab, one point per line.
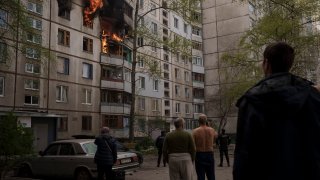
106	154
223	142
278	126
204	138
179	152
159	145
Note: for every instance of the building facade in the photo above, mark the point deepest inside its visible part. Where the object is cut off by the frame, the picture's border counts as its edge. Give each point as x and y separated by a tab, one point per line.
84	80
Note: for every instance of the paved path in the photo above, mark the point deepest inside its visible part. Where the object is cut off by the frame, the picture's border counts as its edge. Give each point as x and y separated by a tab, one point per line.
149	171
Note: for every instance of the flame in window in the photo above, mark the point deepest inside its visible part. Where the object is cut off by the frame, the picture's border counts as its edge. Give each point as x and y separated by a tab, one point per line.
90	10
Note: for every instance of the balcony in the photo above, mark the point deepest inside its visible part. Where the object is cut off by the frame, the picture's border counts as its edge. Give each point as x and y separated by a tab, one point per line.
198	84
112	59
115	108
112	84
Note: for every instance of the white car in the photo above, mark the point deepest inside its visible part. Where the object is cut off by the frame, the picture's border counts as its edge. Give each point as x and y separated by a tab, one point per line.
72	159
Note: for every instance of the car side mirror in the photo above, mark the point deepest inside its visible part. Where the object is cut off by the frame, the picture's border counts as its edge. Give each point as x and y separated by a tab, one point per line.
41	153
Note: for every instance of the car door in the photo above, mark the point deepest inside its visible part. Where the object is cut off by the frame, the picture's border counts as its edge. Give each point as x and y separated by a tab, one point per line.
44	165
66	161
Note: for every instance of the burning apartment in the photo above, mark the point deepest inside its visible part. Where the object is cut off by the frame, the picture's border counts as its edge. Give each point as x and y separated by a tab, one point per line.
88	83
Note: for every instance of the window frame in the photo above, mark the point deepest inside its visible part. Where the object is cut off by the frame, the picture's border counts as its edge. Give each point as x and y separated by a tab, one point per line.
90	70
32	97
63	37
4	21
33	68
87	42
35	7
178	107
60	89
32	84
86	121
2	86
155	85
142	82
62	124
87	95
66	65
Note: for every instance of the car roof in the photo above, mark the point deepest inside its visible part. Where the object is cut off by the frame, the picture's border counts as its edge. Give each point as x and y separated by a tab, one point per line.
80	141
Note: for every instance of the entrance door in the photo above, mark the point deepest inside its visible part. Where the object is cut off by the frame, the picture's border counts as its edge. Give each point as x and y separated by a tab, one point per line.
40	132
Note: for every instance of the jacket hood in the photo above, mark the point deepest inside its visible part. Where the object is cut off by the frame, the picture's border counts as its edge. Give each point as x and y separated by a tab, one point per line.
279	90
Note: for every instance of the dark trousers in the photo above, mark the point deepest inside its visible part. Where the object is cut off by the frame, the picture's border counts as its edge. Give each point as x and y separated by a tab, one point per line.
225	152
205	165
104	170
159	157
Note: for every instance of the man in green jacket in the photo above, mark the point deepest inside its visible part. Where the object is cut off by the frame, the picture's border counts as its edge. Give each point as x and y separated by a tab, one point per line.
179	152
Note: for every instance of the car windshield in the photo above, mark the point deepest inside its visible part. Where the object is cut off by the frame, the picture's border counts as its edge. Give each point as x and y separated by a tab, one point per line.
90	148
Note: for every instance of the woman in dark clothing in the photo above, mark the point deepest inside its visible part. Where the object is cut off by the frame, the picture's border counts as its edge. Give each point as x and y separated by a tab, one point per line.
106	154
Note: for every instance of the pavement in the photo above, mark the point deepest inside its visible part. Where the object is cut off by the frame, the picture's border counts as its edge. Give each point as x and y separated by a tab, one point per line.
149	170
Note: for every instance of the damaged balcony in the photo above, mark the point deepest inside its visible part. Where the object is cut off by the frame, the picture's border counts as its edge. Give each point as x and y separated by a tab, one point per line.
115	102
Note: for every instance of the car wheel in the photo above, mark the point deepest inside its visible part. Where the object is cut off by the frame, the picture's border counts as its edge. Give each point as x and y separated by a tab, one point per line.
25	171
82	174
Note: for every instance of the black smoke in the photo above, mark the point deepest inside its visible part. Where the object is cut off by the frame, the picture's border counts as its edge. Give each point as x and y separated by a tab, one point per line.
113	10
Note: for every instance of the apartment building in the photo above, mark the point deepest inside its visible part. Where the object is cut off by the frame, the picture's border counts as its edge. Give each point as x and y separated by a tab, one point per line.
84	80
224	22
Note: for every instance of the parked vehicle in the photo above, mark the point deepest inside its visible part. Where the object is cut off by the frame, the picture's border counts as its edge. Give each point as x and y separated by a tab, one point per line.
123	148
72	159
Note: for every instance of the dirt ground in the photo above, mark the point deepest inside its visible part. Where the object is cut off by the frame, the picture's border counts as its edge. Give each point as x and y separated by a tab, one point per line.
149	171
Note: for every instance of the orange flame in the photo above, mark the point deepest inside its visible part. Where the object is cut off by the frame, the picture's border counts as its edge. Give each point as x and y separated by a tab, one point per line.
116	38
88	11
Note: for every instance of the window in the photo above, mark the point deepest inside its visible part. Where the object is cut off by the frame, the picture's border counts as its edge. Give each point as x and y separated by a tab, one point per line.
154	46
31	84
87	70
184	59
187	108
64	10
66	150
166	94
197	61
167	103
35	23
154	12
176	22
185	28
142	82
128	10
31	100
141	4
34	7
166	85
198	93
176	73
166	66
166	57
63	65
1	86
196	30
86	96
140	41
155	105
52	150
164	13
63	37
142	103
127	75
186	76
61	94
197	77
86	123
140	62
154	28
155	84
113	121
177	90
186	92
87	45
32	68
197	45
62	124
167	112
34	38
3	19
198	108
177	107
32	53
166	75
196	16
3	52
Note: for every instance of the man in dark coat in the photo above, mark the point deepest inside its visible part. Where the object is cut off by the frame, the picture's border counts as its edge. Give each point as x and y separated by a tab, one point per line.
159	145
278	128
223	142
106	154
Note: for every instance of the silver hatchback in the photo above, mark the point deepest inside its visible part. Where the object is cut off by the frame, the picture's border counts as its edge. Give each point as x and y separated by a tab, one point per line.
72	159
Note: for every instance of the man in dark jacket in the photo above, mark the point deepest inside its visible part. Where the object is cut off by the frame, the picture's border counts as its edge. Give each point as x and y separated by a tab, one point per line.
223	142
106	154
278	124
159	145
